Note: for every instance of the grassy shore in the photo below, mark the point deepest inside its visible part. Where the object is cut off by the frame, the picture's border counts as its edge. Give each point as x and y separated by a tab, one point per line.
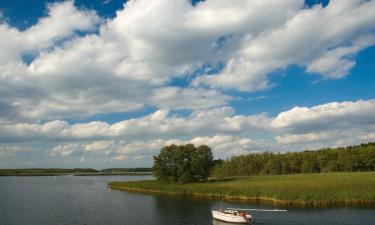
349	189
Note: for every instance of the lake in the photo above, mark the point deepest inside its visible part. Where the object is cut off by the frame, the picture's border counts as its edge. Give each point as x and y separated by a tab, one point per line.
74	200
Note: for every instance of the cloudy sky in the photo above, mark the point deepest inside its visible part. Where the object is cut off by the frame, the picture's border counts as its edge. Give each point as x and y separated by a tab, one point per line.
107	83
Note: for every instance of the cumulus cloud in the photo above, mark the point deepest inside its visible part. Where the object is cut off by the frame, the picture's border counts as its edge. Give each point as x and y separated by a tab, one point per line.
331	124
303	138
62	20
327	116
73	64
299	124
335	138
307	38
161	123
187	98
128	62
95	147
337	62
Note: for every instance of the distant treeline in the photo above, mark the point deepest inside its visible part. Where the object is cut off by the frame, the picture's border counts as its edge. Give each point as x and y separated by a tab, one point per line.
44	171
117	170
348	159
60	171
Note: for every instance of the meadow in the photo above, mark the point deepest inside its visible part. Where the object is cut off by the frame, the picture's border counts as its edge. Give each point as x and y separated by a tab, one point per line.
323	189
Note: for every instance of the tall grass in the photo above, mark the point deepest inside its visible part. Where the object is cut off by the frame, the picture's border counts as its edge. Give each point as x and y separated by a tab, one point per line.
302	189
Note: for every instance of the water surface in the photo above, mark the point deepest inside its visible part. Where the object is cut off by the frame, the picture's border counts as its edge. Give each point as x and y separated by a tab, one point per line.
86	200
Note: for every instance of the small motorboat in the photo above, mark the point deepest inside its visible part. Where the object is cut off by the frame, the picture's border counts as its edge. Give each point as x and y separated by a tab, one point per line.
232	216
238	216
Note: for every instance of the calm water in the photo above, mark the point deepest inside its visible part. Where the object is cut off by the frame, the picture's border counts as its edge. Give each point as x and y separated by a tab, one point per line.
85	200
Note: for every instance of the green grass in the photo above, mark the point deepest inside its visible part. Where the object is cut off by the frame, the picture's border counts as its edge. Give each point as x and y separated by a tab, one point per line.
300	189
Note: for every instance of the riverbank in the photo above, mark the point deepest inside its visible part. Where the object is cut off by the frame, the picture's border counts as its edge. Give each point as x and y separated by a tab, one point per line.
318	190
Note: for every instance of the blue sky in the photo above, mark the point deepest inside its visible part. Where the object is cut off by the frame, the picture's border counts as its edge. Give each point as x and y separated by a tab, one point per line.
107	83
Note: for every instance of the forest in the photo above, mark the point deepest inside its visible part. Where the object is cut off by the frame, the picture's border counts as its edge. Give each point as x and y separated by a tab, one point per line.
343	159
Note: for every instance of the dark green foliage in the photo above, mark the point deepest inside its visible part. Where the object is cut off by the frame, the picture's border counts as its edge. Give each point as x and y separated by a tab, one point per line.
183	163
348	159
43	171
116	170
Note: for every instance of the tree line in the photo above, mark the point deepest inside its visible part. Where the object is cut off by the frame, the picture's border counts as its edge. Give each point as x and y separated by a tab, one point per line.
183	163
56	171
343	159
131	170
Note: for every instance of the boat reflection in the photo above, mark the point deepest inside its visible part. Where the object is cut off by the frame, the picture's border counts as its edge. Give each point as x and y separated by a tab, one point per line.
218	222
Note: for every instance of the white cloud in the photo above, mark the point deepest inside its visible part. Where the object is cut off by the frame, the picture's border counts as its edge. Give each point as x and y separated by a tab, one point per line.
158	124
120	158
99	146
336	63
66	150
308	38
139	147
95	147
299	124
223	146
12	150
303	138
187	98
349	115
129	61
62	20
73	64
136	140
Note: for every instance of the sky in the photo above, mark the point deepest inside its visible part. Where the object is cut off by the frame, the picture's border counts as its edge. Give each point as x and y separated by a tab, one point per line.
107	83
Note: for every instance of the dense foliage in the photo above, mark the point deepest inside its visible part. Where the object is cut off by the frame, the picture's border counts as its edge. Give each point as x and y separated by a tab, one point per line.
349	159
183	164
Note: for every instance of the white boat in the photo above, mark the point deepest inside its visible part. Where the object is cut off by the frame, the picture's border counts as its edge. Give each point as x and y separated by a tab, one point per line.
238	216
232	216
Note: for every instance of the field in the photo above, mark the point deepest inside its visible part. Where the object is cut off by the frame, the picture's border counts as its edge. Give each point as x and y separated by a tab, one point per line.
350	189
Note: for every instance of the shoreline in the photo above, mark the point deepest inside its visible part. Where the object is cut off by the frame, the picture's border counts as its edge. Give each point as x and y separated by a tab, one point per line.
306	190
255	200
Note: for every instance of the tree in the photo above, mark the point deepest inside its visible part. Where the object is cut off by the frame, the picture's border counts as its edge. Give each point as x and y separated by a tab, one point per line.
183	164
351	158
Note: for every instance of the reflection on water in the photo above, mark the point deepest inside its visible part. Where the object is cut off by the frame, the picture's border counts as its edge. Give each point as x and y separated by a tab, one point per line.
218	222
86	201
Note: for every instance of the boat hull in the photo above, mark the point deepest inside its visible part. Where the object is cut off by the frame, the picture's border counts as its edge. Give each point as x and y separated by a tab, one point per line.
229	218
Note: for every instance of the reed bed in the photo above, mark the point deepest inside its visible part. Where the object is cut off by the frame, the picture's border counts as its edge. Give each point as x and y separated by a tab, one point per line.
349	188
